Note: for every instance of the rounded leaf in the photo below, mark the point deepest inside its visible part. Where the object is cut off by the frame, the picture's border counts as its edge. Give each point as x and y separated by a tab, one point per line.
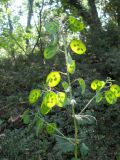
97	84
34	96
61	99
71	67
38	126
75	25
50	51
99	97
51	128
50	99
53	79
71	19
44	109
115	89
78	46
110	97
82	85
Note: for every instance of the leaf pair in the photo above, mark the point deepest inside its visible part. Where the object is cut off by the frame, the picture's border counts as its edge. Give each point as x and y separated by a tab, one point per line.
51	99
75	25
110	95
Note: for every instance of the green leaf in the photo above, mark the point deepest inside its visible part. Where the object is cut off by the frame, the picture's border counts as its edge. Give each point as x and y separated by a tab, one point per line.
84	150
53	79
85	119
51	128
75	25
26	117
52	27
118	155
78	46
71	67
69	59
115	89
99	97
71	20
61	99
63	145
65	85
110	97
97	84
50	99
82	85
38	126
44	109
50	51
34	96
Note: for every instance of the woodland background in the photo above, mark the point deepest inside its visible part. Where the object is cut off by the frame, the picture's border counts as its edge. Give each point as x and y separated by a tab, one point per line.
23	67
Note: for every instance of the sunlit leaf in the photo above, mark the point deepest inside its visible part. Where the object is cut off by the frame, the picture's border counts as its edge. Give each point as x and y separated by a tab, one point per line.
75	25
34	96
50	51
51	128
82	84
50	99
44	109
115	89
53	79
71	19
110	97
97	84
78	46
61	99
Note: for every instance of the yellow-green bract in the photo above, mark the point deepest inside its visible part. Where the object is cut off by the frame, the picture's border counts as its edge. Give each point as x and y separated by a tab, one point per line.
78	46
61	99
110	97
115	89
97	84
34	96
53	79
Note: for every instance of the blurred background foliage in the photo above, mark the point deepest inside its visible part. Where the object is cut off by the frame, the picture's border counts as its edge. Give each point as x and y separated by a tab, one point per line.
22	67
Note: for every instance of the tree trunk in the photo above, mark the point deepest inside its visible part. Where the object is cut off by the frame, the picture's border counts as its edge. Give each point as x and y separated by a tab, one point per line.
95	29
10	33
94	15
91	19
30	12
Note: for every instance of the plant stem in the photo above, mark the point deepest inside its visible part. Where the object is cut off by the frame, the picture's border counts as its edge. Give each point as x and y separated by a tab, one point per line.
73	111
57	130
87	104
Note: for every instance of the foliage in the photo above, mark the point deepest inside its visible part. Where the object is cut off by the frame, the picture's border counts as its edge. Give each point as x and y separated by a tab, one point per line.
41	43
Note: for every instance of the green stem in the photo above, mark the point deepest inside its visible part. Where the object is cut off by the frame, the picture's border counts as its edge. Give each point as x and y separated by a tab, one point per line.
57	130
87	104
73	111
